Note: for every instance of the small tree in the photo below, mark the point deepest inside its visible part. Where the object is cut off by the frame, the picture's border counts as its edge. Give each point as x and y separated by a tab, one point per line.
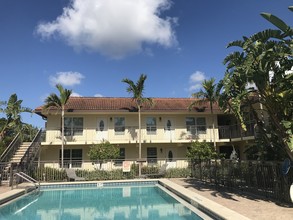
103	152
201	151
12	109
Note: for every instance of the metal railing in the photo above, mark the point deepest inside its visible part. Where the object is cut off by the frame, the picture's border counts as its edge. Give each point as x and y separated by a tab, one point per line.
257	177
51	171
11	149
235	131
32	151
26	177
260	178
158	133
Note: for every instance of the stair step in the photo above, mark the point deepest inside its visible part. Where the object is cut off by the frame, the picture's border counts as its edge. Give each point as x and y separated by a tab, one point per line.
22	148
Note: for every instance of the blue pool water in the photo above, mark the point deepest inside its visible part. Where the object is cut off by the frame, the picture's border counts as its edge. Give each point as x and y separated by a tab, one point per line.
99	203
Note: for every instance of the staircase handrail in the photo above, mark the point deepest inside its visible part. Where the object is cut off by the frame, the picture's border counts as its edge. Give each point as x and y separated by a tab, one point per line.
27	178
11	149
32	150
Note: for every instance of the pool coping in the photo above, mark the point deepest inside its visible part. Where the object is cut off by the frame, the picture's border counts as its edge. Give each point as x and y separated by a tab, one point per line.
205	205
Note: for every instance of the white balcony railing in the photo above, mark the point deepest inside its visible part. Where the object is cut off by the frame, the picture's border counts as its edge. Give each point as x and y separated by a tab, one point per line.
129	134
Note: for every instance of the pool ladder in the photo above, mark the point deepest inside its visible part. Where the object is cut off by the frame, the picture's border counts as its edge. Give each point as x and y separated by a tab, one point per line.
27	178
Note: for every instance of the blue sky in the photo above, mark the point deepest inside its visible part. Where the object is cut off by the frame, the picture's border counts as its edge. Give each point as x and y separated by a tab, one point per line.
89	46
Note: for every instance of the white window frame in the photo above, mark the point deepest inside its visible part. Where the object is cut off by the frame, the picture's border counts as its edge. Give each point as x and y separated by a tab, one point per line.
197	127
71	126
119	128
151	127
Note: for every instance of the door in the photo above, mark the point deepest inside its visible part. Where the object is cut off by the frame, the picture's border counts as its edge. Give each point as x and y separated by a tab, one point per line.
102	129
169	129
170	158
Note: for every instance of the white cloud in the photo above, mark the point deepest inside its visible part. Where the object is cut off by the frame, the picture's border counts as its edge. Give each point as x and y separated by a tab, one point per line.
112	28
98	95
195	80
194	87
66	78
197	77
74	94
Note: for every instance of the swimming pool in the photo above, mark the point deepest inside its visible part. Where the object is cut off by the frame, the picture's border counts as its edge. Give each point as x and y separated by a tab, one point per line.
103	201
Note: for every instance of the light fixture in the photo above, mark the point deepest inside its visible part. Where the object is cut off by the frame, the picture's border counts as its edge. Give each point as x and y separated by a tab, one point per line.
160	118
161	150
111	118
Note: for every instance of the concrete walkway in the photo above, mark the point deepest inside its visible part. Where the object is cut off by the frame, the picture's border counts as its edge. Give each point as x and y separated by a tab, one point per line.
253	207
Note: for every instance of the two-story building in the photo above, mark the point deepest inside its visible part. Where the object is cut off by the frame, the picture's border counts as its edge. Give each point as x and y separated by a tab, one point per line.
167	129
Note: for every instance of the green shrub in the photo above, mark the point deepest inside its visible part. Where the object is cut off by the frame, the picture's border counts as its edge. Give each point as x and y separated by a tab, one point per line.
178	173
49	174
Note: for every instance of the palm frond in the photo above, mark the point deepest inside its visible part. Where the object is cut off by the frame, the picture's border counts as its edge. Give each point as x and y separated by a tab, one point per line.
279	23
265	35
234	58
236	43
137	89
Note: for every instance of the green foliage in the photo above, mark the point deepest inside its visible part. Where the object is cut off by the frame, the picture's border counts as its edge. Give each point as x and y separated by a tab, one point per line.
207	96
12	110
137	89
178	173
264	60
116	174
263	152
49	174
103	151
29	132
53	100
202	151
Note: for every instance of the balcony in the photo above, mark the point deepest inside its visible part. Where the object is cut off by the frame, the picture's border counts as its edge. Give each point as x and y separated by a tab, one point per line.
158	134
129	134
234	132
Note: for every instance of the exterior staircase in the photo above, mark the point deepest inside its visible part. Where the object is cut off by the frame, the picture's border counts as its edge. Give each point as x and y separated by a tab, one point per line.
16	158
19	155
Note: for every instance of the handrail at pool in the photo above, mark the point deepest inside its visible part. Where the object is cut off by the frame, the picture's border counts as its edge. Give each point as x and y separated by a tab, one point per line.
27	178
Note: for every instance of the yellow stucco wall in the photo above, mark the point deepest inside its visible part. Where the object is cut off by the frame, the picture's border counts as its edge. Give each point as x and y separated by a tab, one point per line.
91	133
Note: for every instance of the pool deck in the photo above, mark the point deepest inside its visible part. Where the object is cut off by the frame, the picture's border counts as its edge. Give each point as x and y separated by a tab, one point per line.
251	206
232	204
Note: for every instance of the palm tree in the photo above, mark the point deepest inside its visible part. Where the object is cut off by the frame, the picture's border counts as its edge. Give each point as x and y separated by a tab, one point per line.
54	100
136	89
13	110
209	95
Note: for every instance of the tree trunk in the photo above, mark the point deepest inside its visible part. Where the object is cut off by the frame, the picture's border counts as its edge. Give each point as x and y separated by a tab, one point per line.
62	138
139	141
214	133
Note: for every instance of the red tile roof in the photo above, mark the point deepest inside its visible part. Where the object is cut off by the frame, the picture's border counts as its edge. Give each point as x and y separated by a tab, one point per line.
128	104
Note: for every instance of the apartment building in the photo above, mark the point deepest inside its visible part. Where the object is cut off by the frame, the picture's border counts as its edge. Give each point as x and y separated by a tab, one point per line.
167	129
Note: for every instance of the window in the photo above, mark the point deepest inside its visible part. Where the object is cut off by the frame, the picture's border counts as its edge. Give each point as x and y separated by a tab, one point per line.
102	125
121	157
195	126
73	126
190	125
168	125
201	125
152	155
151	125
119	125
72	158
